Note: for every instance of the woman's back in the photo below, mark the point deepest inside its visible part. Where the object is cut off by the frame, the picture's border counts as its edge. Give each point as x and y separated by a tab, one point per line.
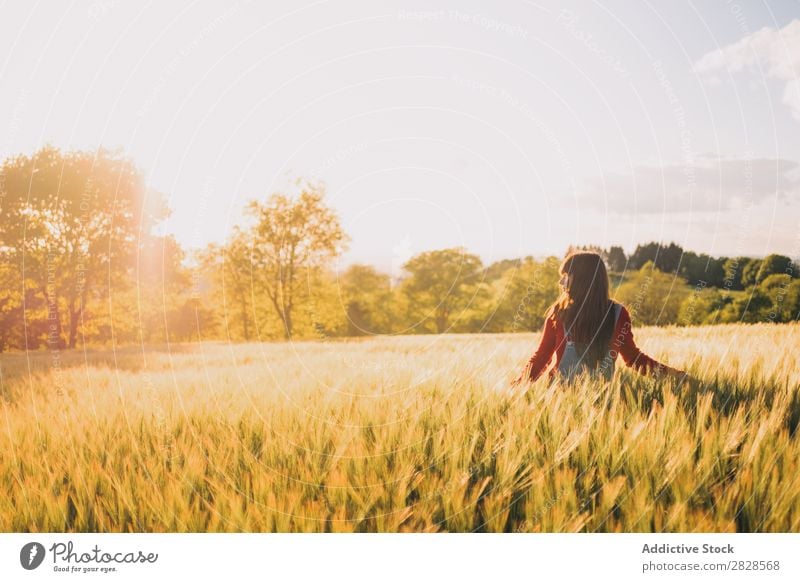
575	360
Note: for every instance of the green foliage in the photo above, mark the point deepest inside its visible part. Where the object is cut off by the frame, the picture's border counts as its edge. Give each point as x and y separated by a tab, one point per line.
72	225
703	306
734	271
776	300
750	272
652	297
229	285
615	259
751	306
442	286
79	262
784	297
666	258
291	238
368	301
775	265
702	269
523	296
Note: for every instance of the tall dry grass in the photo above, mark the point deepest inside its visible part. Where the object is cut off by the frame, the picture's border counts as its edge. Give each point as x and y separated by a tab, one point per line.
402	434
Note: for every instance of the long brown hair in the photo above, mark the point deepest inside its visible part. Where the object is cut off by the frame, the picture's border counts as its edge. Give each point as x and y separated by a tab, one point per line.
584	307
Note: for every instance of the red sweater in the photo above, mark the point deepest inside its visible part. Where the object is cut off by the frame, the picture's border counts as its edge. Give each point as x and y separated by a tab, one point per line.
621	343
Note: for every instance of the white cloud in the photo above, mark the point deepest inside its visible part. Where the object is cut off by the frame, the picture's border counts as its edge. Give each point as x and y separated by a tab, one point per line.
709	184
775	51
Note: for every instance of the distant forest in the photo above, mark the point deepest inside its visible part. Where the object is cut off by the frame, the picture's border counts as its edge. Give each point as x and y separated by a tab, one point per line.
82	265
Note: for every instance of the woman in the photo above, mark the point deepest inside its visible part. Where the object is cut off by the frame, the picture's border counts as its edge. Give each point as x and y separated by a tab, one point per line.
586	329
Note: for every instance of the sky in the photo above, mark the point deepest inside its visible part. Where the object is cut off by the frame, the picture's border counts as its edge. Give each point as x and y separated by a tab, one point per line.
511	129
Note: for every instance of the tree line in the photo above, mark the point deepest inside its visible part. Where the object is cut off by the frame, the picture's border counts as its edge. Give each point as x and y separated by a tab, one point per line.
82	264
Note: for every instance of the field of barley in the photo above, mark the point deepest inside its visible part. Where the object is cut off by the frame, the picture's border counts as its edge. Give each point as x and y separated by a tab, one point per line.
410	433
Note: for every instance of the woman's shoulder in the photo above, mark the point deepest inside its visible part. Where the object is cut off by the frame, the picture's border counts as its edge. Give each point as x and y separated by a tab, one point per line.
623	313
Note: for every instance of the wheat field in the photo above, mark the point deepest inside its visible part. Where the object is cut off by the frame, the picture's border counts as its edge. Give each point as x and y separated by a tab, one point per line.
409	433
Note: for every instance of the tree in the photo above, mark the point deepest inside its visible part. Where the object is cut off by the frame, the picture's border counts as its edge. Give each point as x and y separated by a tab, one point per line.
750	272
230	270
652	297
524	295
702	269
501	267
775	265
784	295
616	260
292	236
442	284
733	269
70	226
367	297
752	306
669	258
703	307
642	254
666	258
715	269
16	298
693	269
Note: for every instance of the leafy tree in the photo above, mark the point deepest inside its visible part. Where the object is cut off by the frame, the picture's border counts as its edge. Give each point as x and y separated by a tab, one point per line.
666	258
702	269
703	307
643	254
18	297
716	271
367	297
230	270
784	295
734	269
693	269
652	297
70	226
499	268
615	259
775	265
477	315
669	258
442	285
751	306
750	272
524	295
292	237
319	313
